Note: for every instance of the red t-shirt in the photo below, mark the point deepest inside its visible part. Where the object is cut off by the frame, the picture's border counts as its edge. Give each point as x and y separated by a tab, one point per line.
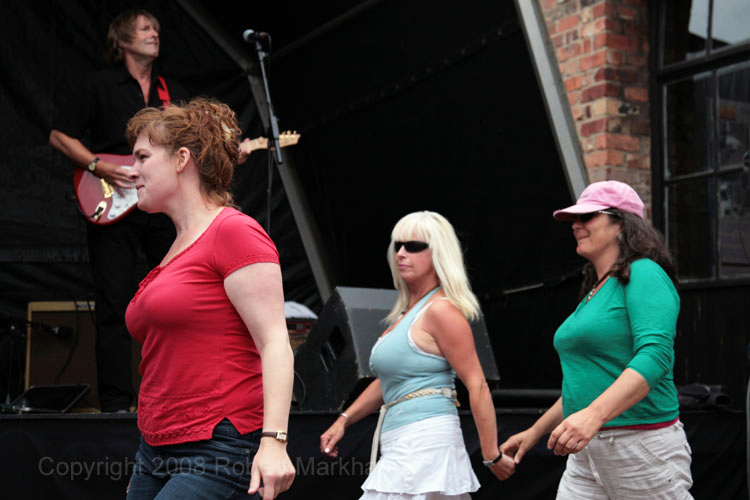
199	363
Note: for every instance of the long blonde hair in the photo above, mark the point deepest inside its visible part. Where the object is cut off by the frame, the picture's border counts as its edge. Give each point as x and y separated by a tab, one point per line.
447	259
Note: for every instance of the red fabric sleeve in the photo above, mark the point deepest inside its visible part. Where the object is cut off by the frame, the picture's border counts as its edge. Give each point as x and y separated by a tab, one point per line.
240	241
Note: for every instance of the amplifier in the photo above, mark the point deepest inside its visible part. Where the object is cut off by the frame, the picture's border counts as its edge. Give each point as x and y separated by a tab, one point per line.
60	341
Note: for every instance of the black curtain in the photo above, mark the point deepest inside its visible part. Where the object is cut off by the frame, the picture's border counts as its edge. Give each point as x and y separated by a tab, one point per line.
421	106
48	48
404	106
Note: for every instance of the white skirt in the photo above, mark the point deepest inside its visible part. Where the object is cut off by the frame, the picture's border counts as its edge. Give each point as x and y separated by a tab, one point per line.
425	460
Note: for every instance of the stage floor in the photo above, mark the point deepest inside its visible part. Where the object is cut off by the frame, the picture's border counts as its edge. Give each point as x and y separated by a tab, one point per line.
90	456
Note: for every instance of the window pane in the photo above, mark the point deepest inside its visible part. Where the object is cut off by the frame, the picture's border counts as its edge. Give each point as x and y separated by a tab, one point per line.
685	30
690	227
688	134
734	114
734	224
731	23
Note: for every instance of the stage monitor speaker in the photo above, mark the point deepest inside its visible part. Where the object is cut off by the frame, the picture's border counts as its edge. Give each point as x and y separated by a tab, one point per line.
332	366
60	343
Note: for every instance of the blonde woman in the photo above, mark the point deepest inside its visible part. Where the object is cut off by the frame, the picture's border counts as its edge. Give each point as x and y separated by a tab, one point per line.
429	342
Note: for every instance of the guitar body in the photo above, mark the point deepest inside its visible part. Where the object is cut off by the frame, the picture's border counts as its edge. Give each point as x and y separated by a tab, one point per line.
100	203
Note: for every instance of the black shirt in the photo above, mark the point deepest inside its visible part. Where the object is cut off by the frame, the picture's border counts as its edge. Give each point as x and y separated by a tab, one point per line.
99	109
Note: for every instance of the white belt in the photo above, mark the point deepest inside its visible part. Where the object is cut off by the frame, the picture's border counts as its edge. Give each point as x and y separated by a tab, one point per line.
443	391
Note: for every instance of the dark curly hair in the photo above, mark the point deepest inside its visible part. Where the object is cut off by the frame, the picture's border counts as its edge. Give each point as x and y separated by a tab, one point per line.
638	239
207	128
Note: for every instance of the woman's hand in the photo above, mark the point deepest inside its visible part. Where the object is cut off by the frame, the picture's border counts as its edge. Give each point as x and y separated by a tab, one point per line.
517	445
365	404
575	432
504	468
273	467
331	437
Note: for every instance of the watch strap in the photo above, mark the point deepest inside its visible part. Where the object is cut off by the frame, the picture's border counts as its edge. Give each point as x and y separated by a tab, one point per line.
490	463
92	165
277	435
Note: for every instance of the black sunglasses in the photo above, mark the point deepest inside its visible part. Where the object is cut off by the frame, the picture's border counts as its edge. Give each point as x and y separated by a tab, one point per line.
587	217
410	246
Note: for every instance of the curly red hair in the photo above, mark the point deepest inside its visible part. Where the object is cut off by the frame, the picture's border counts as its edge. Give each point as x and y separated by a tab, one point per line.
207	128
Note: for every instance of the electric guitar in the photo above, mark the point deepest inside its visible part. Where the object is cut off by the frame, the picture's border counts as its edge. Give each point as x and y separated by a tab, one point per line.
103	204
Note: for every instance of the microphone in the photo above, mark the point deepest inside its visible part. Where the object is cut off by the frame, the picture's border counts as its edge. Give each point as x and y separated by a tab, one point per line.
251	35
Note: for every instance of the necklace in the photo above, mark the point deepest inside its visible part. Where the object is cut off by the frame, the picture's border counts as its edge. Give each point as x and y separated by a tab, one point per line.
417	301
596	285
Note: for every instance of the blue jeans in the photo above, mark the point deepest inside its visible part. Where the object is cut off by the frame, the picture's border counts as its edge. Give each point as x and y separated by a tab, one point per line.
217	468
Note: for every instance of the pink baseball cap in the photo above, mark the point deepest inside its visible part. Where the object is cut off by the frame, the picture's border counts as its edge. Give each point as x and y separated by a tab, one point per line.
600	196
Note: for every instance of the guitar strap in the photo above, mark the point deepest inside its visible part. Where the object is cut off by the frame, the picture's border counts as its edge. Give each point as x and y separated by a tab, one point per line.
163	92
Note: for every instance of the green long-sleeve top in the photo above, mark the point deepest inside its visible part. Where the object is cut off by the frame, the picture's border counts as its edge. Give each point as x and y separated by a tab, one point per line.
621	327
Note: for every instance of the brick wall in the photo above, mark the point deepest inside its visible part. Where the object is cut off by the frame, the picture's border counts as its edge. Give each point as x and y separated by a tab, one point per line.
602	51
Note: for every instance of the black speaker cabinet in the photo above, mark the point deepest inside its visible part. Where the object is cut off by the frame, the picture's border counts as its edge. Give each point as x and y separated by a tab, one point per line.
60	348
332	366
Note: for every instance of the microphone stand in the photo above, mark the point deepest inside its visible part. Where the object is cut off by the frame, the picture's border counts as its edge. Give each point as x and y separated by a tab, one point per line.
274	152
13	332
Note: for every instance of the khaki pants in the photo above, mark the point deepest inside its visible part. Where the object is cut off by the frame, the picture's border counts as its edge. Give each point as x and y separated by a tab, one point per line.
630	464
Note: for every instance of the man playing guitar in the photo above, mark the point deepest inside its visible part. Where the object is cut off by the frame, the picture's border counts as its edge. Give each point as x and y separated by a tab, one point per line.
97	113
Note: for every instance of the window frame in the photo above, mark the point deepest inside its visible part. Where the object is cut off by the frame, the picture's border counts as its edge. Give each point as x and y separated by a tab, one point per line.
663	75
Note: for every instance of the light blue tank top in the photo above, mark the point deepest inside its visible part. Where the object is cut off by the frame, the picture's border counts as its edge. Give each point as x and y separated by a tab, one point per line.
403	367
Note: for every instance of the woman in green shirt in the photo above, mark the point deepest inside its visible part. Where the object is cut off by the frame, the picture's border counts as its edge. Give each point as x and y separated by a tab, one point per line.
618	417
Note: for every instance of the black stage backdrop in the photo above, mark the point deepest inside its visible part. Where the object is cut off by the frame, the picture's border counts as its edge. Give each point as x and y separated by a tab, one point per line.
401	107
48	47
424	105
